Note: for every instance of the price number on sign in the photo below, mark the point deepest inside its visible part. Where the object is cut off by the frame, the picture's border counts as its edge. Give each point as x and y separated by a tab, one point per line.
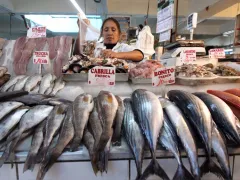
217	53
188	56
41	57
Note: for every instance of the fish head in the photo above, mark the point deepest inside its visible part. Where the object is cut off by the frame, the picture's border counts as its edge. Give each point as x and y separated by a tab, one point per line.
86	100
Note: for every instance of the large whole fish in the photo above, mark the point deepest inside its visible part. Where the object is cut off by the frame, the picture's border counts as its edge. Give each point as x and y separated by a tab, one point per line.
7	107
235	92
118	121
11	82
32	82
168	138
66	135
133	136
184	133
58	85
49	90
20	84
222	115
149	115
5	78
82	107
11	121
46	82
35	147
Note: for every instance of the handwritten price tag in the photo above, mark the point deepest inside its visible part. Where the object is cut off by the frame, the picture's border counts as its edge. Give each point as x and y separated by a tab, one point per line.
37	32
217	53
41	57
164	75
188	56
102	76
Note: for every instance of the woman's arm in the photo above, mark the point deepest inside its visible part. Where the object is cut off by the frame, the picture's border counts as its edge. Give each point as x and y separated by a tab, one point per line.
132	55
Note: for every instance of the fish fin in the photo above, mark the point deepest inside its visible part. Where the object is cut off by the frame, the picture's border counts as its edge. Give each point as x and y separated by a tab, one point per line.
182	174
209	166
30	162
103	161
154	168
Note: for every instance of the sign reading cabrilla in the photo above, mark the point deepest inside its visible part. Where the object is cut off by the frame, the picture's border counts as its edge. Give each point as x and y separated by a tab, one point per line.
102	76
41	57
164	75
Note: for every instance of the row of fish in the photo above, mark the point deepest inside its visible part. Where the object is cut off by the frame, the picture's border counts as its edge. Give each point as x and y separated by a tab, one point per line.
143	120
47	84
4	77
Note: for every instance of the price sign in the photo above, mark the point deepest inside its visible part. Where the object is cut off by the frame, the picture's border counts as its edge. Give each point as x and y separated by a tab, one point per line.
188	56
164	75
102	76
217	53
37	32
41	57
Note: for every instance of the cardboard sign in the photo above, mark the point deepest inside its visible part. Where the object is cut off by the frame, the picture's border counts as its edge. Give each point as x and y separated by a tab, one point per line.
102	76
188	56
41	57
217	53
164	75
37	32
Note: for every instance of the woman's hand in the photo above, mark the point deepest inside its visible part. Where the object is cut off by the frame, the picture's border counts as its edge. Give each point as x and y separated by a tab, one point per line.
107	53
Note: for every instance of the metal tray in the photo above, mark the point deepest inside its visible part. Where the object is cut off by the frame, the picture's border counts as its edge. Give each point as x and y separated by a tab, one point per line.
83	77
195	81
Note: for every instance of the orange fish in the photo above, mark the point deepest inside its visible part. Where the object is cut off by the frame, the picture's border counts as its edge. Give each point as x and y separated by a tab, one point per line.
235	92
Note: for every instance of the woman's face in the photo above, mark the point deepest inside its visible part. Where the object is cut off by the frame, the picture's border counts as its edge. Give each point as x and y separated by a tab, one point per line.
111	33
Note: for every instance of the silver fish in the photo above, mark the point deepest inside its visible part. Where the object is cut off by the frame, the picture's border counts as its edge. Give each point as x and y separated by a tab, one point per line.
11	88
66	135
11	82
35	146
35	90
49	90
32	82
59	84
46	82
20	84
82	107
7	107
149	113
10	121
118	121
133	136
184	133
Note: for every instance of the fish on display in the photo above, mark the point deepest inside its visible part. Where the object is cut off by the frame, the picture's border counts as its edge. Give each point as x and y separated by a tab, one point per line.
168	138
20	84
10	121
5	78
118	121
82	107
49	90
66	135
235	92
222	115
3	70
46	82
35	147
59	84
133	136
184	133
7	107
32	82
11	83
35	90
149	113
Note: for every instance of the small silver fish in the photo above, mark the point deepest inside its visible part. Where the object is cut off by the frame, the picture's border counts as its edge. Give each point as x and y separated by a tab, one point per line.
32	82
10	83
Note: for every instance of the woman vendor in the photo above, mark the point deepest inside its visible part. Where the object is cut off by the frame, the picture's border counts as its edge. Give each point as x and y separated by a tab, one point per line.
111	47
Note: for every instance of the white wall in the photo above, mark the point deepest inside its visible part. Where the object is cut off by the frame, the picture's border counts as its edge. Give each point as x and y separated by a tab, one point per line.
7	4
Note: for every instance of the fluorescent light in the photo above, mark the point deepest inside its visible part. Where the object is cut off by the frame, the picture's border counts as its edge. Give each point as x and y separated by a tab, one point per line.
83	16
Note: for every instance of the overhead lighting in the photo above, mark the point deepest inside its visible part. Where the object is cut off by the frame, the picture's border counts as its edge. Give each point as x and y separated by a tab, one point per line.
75	4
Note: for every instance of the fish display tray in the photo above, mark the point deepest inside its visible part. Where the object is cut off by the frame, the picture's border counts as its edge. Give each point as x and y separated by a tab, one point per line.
227	79
83	77
195	81
141	80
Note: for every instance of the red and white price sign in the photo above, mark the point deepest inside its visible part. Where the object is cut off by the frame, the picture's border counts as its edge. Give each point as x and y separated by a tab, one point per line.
164	75
37	32
217	53
100	75
188	56
41	57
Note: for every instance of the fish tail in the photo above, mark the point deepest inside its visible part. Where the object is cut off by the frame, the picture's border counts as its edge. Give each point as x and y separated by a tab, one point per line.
182	174
75	144
154	168
30	162
103	161
209	166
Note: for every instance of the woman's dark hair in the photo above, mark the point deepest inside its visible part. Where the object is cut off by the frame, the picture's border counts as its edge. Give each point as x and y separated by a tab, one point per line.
110	19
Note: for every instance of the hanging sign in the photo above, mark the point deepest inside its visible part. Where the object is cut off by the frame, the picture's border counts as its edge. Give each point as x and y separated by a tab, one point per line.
41	57
164	75
37	32
165	36
188	56
102	76
217	53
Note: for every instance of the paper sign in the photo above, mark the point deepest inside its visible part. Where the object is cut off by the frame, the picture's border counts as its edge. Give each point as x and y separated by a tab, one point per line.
41	57
217	53
188	56
165	36
164	75
164	25
37	32
165	13
102	76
